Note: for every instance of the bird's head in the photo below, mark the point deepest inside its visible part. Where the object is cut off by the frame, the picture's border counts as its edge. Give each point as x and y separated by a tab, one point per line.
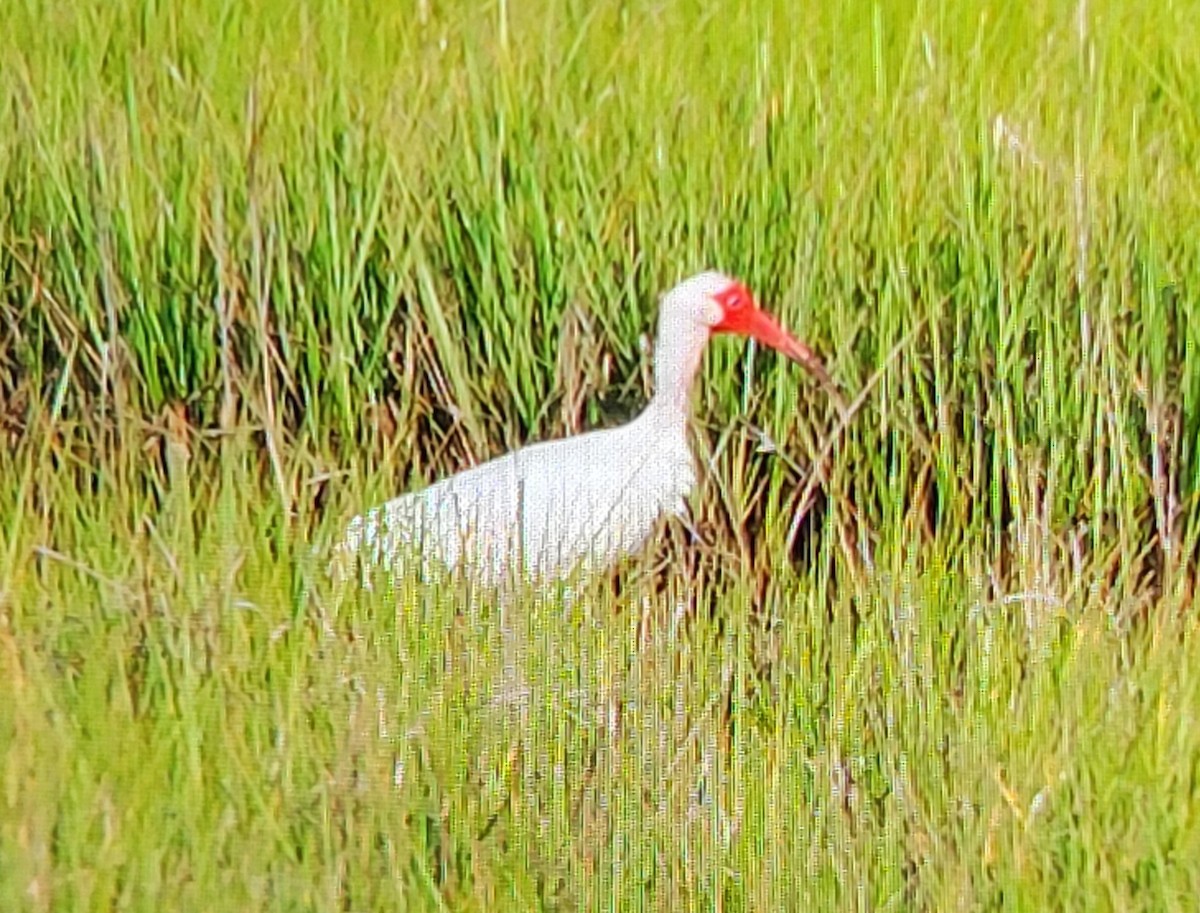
723	305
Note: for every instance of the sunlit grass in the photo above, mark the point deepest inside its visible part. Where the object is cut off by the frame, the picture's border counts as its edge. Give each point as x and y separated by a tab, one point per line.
264	266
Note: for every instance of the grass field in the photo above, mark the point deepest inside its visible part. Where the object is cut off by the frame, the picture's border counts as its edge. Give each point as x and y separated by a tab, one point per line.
265	264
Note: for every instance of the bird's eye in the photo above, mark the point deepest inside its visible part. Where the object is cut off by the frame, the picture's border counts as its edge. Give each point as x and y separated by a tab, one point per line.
734	297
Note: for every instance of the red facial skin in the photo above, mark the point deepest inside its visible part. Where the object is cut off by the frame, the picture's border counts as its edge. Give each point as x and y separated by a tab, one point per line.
745	317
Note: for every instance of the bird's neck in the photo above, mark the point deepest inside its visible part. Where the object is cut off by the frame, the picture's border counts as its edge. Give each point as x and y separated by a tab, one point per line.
678	352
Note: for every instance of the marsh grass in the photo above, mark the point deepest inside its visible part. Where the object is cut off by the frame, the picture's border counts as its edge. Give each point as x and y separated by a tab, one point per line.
264	266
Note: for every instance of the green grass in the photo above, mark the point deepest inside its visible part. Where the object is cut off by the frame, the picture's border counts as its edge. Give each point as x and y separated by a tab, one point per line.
265	264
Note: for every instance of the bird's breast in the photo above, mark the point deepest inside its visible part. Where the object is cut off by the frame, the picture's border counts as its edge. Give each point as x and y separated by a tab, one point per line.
595	501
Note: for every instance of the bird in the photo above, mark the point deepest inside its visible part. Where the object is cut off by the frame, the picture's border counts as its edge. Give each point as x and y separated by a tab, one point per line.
579	504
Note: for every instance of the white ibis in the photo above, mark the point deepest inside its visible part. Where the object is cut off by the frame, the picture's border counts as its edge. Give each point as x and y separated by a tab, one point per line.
579	503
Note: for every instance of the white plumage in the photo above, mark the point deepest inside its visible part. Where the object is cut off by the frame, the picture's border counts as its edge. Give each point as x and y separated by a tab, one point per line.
581	503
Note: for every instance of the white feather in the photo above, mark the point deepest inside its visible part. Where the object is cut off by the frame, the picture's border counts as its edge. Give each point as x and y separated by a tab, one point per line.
581	503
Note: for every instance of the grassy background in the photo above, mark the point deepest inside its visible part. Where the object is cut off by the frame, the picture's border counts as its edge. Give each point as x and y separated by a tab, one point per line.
265	264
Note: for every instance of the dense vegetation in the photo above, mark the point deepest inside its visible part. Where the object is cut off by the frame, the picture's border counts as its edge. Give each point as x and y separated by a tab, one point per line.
264	264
